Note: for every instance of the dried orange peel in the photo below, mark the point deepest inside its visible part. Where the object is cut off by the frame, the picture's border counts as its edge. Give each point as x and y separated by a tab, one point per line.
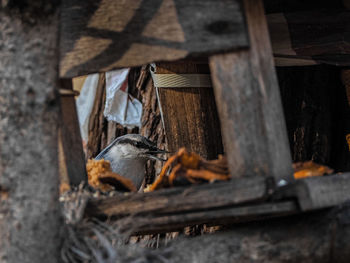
101	177
195	169
191	167
310	169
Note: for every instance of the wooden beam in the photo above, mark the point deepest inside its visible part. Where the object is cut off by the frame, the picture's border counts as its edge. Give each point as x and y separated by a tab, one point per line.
313	237
151	224
249	104
311	37
101	35
240	200
70	137
182	199
189	114
319	192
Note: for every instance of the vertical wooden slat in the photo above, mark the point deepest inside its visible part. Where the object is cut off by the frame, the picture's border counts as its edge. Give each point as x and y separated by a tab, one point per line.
249	104
70	137
190	116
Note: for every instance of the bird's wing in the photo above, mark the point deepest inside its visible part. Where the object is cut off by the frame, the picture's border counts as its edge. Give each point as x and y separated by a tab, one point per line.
106	150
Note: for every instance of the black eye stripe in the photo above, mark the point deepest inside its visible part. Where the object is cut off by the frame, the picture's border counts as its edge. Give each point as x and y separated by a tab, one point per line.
138	144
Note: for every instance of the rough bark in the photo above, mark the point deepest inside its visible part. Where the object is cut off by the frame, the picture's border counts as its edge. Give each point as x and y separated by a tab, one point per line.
321	237
316	237
97	139
189	113
152	127
29	209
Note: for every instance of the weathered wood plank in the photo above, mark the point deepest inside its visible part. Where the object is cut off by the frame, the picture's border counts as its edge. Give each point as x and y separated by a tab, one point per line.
249	105
311	37
312	237
203	197
157	224
102	35
241	200
70	137
190	115
320	192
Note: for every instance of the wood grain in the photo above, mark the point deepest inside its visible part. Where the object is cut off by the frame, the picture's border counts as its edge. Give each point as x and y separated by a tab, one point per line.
97	139
71	139
181	199
190	115
105	34
240	200
320	237
167	223
249	104
320	192
152	126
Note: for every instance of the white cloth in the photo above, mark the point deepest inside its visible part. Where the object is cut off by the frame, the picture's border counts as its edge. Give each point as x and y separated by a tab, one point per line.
120	106
85	103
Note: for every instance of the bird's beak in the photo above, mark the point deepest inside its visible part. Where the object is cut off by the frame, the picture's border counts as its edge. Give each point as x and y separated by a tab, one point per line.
153	154
154	157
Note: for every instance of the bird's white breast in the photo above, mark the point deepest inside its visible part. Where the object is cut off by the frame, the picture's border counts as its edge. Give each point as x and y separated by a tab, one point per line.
124	163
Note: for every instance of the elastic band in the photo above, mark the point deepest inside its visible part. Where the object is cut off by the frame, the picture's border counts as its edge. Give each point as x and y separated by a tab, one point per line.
180	80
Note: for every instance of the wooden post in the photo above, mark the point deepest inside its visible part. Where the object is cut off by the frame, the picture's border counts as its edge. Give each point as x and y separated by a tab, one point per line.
249	104
70	137
190	115
30	216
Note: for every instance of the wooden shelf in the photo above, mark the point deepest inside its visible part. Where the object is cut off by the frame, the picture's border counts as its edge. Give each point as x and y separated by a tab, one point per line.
240	200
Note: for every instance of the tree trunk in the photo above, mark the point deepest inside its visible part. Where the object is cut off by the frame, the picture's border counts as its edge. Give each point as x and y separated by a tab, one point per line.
190	115
152	127
29	208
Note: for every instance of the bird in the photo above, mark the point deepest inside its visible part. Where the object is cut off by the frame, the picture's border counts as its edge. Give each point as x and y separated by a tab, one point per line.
128	155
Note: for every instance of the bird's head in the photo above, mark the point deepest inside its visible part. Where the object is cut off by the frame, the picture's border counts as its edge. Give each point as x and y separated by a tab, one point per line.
132	146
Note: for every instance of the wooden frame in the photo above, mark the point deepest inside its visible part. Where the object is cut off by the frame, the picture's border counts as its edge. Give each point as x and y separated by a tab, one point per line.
255	140
241	200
